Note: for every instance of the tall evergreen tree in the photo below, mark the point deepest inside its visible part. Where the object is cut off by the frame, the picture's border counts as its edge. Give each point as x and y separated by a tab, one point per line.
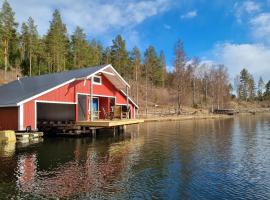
29	46
251	87
244	85
119	56
163	67
267	90
261	86
180	60
80	48
136	65
95	54
153	66
106	56
57	44
8	35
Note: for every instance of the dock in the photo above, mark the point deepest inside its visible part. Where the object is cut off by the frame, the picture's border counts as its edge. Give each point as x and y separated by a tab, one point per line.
28	135
225	111
86	128
109	123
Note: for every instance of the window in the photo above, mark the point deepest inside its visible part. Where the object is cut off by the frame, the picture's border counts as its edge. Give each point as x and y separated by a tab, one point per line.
97	80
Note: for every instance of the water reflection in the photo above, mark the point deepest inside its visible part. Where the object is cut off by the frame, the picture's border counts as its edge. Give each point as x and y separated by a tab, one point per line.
76	167
211	159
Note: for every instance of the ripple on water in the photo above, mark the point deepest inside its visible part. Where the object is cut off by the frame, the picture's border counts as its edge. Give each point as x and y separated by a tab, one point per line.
207	159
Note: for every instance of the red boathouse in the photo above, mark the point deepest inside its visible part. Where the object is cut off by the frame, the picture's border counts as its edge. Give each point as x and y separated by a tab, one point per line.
78	95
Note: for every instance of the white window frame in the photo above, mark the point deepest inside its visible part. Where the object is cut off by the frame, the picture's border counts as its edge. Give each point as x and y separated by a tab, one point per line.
97	83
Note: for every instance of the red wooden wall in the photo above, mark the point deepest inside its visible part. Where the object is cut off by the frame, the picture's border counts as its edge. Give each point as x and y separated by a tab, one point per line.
9	118
68	93
108	89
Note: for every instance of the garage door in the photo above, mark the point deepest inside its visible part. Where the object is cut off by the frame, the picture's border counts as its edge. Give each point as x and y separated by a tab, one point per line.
55	112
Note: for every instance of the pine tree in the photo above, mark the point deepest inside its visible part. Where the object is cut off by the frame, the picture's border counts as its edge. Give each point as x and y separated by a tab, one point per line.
261	86
267	90
8	34
57	44
251	87
106	56
119	56
153	66
29	46
163	67
136	66
95	54
80	48
179	72
244	85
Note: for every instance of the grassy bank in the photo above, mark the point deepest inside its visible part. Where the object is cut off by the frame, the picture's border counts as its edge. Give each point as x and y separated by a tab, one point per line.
186	117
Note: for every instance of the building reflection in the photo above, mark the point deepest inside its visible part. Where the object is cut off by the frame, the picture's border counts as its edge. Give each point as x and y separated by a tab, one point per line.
90	169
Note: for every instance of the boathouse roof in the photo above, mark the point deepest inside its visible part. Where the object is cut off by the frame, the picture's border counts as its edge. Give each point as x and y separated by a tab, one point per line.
15	92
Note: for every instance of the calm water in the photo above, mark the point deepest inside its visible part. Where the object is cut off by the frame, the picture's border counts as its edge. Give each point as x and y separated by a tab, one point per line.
211	159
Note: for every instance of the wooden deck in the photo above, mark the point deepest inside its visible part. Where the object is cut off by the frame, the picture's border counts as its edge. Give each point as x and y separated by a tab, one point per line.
109	123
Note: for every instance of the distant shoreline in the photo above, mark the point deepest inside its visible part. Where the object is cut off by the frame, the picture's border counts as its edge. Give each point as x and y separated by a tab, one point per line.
187	117
200	117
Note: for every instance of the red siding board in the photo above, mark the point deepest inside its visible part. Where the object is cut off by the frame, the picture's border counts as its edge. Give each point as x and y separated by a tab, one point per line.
9	118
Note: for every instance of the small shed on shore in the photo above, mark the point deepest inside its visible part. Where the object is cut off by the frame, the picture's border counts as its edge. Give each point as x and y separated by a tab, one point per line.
77	95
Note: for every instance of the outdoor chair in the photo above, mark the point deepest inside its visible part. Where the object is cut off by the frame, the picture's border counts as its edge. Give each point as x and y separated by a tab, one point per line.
107	115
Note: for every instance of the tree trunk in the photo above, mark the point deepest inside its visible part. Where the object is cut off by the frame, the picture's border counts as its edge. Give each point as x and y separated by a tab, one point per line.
6	55
137	86
178	101
146	92
30	64
193	93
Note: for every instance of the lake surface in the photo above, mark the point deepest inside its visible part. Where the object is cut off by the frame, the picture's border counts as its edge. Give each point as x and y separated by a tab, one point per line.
204	159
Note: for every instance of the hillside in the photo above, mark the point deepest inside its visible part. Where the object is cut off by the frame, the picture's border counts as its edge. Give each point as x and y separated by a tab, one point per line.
9	76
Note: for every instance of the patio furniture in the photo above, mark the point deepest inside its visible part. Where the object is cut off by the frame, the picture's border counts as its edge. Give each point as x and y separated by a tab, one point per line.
121	112
107	115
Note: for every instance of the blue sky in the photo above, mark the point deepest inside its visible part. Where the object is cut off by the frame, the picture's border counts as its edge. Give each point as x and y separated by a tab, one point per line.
231	32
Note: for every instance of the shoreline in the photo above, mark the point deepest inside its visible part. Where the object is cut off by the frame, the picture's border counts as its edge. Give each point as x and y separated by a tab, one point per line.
188	117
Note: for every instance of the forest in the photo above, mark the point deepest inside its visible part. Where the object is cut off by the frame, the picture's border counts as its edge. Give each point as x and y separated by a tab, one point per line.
190	83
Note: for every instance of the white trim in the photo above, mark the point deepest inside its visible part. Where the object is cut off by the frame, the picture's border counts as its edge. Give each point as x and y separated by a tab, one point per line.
119	76
42	93
130	99
109	73
52	102
20	118
100	95
121	104
98	106
105	67
77	102
10	105
35	114
83	93
56	102
97	83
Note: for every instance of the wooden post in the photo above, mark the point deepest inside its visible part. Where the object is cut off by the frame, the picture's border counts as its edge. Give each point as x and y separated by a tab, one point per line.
127	99
91	99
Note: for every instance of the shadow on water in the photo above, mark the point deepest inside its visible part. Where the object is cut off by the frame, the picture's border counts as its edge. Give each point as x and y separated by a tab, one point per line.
205	159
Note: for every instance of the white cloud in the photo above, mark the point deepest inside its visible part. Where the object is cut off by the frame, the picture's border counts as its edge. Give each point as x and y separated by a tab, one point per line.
166	26
95	16
189	15
260	27
251	6
254	57
247	7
